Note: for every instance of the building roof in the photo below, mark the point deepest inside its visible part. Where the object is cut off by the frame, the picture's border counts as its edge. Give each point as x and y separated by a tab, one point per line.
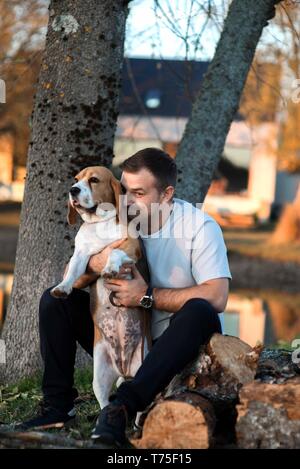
163	88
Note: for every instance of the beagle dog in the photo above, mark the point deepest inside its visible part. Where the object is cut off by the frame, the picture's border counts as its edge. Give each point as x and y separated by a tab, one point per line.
121	334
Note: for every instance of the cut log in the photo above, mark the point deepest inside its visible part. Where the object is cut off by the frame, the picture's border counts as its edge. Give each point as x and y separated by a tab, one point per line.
199	401
222	367
269	415
187	421
276	366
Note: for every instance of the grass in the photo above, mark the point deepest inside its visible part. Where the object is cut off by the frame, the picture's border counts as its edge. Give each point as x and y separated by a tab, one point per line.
287	345
254	243
19	402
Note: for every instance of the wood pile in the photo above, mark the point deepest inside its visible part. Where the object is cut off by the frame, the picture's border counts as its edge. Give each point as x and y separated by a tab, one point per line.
231	396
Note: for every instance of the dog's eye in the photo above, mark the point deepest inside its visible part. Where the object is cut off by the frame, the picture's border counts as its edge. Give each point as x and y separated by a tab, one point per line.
94	180
75	179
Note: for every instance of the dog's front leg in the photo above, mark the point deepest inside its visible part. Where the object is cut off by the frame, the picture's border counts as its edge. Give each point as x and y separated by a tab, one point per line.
77	267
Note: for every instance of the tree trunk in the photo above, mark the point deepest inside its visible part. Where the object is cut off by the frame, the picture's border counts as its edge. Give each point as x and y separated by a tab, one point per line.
217	102
269	415
73	126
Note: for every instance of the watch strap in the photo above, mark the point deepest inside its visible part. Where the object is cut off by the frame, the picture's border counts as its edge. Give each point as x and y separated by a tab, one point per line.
149	291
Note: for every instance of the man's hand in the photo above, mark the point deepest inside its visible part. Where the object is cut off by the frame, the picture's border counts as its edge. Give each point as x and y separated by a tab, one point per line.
95	266
127	292
97	262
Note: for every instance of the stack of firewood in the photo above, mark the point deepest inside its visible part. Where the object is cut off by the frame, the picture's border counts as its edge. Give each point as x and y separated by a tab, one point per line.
231	396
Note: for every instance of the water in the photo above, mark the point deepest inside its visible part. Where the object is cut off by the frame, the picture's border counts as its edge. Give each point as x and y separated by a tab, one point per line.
263	316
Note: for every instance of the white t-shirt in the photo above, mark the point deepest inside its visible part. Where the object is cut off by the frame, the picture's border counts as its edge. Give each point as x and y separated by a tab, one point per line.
188	250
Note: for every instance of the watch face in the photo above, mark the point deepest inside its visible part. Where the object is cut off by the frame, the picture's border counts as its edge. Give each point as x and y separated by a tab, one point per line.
146	302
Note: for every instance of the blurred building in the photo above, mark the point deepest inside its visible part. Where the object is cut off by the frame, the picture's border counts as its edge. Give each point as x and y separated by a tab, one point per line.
156	102
155	105
6	155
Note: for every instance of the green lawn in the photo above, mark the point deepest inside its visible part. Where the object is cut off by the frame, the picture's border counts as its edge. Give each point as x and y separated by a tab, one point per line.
19	402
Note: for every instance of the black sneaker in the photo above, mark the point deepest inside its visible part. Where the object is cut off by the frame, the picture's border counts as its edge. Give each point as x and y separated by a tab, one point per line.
48	417
111	424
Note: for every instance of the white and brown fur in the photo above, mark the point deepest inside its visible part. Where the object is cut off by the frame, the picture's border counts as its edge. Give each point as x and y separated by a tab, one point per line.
121	338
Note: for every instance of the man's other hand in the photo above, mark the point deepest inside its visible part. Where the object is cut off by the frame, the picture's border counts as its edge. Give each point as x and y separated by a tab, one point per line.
98	261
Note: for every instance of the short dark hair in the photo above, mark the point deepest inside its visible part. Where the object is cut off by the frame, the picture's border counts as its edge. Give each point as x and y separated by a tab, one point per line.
158	162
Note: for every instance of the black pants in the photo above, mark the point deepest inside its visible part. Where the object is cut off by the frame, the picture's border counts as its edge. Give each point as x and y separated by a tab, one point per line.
64	322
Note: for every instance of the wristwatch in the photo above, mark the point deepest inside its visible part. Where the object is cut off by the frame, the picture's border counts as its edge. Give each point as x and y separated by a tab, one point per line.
147	300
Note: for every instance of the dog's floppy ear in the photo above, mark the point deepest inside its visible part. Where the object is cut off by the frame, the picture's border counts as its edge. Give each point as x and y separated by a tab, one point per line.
72	214
116	187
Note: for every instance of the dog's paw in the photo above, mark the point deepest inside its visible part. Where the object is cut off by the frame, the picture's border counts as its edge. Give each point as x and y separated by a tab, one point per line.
60	292
109	274
111	270
114	263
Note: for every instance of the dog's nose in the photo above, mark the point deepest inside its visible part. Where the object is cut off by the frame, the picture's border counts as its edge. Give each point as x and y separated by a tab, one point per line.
74	191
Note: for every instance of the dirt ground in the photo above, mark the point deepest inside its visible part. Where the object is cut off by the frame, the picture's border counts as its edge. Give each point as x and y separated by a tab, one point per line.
258	273
257	264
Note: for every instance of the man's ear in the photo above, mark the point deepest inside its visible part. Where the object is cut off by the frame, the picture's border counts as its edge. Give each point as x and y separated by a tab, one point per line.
116	187
169	193
72	214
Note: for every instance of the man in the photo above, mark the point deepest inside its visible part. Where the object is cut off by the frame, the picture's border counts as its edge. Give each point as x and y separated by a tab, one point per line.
189	275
